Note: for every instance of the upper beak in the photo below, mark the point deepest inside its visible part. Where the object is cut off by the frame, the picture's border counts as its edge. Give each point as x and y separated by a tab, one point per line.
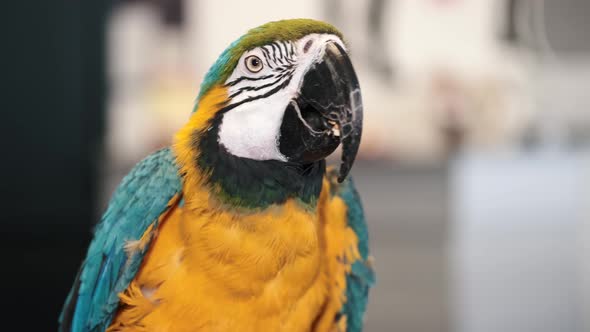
332	89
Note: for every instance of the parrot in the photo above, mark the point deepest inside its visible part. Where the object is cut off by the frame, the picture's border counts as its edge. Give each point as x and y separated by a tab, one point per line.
239	225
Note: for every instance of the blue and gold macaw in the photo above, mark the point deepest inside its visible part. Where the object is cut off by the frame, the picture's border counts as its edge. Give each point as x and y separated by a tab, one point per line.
238	226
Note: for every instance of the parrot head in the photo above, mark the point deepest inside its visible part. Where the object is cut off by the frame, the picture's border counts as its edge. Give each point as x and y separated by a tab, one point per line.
284	94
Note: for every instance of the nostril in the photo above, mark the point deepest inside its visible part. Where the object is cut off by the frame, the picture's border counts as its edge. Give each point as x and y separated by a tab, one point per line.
307	45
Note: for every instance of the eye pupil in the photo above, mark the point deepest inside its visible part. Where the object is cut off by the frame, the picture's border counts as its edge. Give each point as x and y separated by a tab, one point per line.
253	64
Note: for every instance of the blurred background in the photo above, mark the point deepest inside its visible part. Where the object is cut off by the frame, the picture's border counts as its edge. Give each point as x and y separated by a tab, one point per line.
474	168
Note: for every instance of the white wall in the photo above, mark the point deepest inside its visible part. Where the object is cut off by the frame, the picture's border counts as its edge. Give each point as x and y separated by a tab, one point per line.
515	234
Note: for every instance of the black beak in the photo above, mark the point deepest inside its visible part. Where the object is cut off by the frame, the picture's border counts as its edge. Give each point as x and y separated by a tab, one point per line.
327	112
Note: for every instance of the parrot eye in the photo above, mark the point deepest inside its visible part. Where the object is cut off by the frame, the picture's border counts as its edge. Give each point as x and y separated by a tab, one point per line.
254	64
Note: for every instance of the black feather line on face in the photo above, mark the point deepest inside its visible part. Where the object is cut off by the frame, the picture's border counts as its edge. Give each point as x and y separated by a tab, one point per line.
247	100
256	88
248	78
275	50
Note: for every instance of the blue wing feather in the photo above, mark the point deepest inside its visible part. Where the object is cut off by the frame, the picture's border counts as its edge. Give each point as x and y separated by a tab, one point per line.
361	277
141	198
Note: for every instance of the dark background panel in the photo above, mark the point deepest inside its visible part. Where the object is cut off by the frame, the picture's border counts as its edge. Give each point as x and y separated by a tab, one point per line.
52	125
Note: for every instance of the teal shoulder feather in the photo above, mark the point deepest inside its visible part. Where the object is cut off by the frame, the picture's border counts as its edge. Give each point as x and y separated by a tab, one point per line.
141	198
361	277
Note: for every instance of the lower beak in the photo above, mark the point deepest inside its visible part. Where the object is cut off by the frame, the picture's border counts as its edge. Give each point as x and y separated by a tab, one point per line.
330	109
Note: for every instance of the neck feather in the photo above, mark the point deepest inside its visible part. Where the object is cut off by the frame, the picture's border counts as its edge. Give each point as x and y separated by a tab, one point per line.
240	182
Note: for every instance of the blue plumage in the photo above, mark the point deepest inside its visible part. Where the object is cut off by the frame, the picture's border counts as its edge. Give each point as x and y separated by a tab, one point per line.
215	71
362	276
138	202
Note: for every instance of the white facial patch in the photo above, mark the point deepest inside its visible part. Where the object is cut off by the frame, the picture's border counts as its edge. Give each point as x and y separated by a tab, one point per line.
252	128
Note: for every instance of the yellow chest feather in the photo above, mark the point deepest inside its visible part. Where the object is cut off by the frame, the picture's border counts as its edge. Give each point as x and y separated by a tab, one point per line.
210	270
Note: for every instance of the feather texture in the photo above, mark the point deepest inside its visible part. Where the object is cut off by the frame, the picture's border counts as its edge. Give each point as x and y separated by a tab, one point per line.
361	276
120	242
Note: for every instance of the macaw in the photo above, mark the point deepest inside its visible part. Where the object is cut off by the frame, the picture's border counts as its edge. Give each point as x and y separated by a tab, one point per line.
239	225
